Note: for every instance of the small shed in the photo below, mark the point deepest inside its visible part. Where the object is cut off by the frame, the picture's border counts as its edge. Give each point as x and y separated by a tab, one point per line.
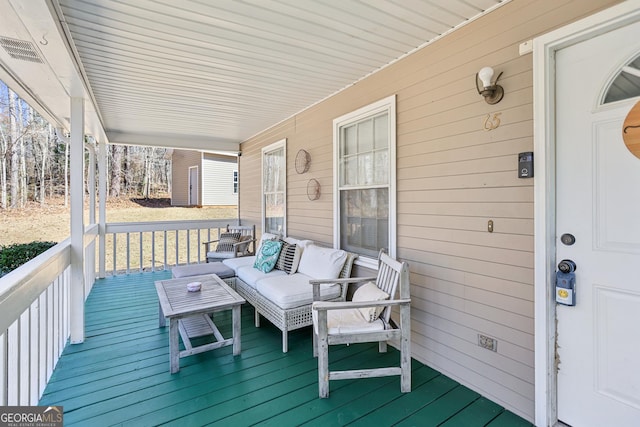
201	178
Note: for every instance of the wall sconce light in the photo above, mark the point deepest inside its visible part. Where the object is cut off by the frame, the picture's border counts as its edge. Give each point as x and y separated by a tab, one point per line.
492	92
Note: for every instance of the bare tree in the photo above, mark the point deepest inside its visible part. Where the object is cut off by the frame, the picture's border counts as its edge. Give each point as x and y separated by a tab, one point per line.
116	170
13	132
4	149
34	160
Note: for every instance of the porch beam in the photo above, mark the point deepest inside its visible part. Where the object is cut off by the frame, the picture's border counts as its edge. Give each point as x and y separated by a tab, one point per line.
77	288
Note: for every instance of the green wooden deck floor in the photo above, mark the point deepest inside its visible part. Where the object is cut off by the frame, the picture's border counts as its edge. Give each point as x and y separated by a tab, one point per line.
120	376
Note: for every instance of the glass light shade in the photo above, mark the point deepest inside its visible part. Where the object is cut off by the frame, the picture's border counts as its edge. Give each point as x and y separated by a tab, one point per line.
485	75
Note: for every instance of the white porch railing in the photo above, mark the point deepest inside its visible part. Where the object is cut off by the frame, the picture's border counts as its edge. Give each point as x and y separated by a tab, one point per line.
34	319
148	246
35	303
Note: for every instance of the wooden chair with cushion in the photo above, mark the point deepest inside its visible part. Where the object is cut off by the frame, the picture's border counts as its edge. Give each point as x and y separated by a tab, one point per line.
237	241
366	318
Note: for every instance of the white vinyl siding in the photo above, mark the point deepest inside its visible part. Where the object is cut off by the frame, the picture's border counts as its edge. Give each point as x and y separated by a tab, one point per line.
453	176
217	180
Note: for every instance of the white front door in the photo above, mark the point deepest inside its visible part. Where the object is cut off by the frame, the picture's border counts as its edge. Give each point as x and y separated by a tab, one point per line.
193	185
598	202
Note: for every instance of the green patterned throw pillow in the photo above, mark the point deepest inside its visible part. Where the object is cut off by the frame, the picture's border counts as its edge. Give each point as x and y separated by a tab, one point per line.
268	255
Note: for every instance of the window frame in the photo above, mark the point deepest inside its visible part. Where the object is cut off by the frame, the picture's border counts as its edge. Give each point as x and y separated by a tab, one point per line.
388	105
281	144
236	182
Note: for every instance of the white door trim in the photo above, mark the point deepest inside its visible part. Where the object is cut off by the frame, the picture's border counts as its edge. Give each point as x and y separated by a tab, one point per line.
544	49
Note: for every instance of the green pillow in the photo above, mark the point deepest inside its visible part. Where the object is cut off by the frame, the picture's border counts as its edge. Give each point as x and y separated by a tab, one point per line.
268	255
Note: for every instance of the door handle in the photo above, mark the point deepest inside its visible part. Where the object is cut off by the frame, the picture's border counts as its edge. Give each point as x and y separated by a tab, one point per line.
566	282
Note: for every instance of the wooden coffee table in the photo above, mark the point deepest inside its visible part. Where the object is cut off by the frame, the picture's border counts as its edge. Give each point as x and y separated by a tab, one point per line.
188	314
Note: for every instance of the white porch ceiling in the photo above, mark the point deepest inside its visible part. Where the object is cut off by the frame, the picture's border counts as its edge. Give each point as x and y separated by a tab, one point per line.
210	74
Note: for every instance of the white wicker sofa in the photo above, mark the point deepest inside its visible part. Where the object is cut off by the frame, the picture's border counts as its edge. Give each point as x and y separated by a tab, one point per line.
285	299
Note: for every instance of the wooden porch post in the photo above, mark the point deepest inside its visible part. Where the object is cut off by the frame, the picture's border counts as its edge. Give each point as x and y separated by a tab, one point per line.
102	214
76	306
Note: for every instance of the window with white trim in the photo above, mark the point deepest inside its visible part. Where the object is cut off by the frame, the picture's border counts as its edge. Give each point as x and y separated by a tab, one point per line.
364	164
274	185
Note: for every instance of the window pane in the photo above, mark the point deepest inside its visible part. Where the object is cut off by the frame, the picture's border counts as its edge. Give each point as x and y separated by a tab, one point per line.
365	136
274	212
349	140
381	167
626	85
364	222
350	172
381	136
365	169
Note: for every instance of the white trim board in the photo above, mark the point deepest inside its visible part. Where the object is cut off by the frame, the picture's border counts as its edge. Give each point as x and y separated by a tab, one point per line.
544	49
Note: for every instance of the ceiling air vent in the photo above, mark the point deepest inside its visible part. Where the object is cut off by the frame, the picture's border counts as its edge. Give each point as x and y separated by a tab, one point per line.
20	49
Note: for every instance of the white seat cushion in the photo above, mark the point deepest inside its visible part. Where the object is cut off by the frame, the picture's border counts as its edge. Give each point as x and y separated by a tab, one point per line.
220	255
235	263
218	268
251	276
347	321
294	290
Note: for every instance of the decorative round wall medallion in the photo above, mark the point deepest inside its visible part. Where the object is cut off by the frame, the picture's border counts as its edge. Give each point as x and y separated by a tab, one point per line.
631	130
303	160
313	189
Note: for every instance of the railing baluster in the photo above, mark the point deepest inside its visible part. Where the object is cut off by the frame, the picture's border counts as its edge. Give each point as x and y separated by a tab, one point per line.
153	251
50	341
24	358
141	252
56	322
199	257
165	249
128	254
188	247
177	244
114	253
42	351
13	368
34	351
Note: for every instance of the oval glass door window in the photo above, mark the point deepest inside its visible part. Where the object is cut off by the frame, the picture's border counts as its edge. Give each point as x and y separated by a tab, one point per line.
631	130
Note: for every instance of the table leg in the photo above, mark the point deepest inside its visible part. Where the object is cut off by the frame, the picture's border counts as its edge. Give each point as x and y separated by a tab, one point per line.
174	349
161	320
236	319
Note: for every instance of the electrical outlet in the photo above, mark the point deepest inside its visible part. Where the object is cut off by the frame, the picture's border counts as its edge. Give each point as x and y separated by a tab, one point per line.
487	342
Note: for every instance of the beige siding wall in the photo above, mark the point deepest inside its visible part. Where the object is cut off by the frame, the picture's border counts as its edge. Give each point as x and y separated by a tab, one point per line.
181	161
453	177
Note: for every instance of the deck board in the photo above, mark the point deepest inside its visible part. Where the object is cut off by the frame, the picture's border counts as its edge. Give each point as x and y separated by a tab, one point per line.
120	376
